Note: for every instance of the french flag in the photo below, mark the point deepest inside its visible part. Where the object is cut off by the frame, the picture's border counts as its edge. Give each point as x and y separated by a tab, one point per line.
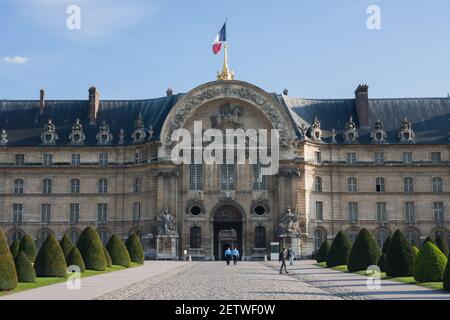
220	38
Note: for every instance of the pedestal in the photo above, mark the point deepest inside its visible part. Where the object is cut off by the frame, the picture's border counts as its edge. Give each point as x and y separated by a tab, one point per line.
291	241
167	247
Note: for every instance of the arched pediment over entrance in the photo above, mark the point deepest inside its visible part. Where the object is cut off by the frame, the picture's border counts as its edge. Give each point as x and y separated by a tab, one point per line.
228	213
267	104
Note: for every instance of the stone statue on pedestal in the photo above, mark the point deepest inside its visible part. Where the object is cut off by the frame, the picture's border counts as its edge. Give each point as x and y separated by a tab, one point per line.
167	223
288	224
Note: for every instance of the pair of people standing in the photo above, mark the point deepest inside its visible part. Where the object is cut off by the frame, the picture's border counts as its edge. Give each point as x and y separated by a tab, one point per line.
232	254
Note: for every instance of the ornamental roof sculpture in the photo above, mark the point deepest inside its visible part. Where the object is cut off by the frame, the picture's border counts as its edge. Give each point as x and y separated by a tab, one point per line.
49	136
378	135
350	133
406	133
3	138
139	134
77	136
121	137
104	136
316	132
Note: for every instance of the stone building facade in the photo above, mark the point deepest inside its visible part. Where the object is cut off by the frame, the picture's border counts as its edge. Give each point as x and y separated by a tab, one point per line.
345	164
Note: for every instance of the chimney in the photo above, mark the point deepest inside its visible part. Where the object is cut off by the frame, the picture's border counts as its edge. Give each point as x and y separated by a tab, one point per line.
362	105
42	101
94	102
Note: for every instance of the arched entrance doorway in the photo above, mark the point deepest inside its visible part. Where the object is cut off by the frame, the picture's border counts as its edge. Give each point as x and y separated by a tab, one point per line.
227	230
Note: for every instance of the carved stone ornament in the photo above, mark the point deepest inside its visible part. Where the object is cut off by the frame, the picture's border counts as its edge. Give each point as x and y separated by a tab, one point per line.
121	137
378	135
350	133
3	138
104	136
406	133
289	224
333	136
139	134
303	131
151	133
167	223
316	132
229	91
49	136
77	136
228	118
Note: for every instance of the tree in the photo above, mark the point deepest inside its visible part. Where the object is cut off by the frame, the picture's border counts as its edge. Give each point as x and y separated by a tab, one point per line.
14	248
118	252
430	264
66	246
365	252
28	246
91	249
323	251
382	260
8	274
339	251
386	244
24	268
50	261
135	249
442	245
75	259
428	239
400	257
446	278
108	257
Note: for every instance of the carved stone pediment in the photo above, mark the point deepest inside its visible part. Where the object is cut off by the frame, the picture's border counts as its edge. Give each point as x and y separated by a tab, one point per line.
49	136
378	135
77	136
104	136
406	133
350	133
228	118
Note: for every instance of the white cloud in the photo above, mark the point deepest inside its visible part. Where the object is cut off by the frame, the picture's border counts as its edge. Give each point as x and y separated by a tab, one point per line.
15	60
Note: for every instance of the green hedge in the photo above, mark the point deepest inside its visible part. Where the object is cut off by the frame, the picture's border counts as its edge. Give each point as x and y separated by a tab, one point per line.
24	268
365	252
400	257
323	251
430	264
28	246
135	249
66	245
339	251
118	252
108	257
8	274
442	245
50	261
14	248
75	259
91	250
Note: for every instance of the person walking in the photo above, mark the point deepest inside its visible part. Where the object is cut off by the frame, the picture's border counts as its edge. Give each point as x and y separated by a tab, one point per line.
283	257
228	254
291	256
235	256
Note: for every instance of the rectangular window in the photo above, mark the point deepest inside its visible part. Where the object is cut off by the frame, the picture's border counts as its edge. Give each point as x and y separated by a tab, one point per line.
409	212
47	159
379	157
76	159
318	157
380	185
351	158
47	186
260	237
195	176
436	157
103	159
381	212
45	212
227	176
137	185
75	186
438	212
351	186
18	186
74	212
319	210
102	212
138	157
408	184
407	158
19	159
353	211
136	211
259	180
17	212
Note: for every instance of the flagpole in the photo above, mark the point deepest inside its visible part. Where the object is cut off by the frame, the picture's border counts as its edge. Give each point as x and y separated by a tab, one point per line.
226	73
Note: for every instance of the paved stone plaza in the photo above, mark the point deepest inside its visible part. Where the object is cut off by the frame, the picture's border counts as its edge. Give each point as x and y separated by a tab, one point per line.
160	280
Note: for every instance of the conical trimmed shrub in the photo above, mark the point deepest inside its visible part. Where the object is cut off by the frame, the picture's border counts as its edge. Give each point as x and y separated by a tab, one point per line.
135	249
428	239
430	264
66	245
415	250
28	246
339	251
386	245
8	274
118	252
382	262
442	245
75	259
50	261
365	252
24	268
91	249
400	257
323	251
108	257
14	248
446	278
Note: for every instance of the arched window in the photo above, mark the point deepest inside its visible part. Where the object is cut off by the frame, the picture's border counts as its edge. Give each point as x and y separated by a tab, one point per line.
18	186
381	237
73	236
46	186
42	236
379	185
319	238
318	184
437	184
137	185
102	186
103	234
75	186
260	237
413	237
196	238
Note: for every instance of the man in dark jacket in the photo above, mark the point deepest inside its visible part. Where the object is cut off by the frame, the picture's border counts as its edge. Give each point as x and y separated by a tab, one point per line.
283	257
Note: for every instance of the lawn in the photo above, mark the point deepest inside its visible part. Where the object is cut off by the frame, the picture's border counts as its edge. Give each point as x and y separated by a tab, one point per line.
406	280
40	282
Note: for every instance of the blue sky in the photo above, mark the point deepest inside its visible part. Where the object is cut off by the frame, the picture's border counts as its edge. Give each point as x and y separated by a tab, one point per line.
135	49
